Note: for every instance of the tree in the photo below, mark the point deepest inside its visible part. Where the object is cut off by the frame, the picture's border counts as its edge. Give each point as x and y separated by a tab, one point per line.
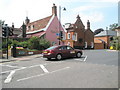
98	31
113	26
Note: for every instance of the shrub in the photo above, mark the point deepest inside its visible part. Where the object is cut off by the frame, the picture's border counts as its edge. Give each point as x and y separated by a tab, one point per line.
115	43
24	44
44	44
33	43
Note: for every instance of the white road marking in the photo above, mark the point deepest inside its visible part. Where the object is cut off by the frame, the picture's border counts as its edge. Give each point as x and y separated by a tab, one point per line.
42	74
44	69
21	68
35	65
78	59
13	70
85	59
57	62
81	59
9	78
8	65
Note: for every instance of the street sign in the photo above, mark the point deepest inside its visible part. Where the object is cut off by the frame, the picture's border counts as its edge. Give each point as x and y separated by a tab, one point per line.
57	34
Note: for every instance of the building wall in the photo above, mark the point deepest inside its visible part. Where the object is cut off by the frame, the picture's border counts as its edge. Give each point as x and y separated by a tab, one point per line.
89	38
80	35
98	46
105	39
52	30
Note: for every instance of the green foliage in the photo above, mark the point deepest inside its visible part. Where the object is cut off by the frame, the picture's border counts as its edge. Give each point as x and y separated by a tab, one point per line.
24	44
33	43
37	43
115	43
14	42
113	26
44	44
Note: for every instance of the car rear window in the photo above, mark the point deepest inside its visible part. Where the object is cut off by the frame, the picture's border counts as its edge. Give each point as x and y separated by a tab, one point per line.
53	47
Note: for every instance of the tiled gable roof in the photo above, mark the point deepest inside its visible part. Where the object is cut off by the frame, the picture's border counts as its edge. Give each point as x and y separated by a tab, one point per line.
39	24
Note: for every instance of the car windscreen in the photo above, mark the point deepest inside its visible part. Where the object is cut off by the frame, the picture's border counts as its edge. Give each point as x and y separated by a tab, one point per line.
53	47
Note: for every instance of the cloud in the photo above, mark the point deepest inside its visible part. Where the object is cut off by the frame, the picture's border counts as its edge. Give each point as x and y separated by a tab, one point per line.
69	1
15	10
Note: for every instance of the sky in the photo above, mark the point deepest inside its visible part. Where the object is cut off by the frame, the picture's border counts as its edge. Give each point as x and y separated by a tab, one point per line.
100	13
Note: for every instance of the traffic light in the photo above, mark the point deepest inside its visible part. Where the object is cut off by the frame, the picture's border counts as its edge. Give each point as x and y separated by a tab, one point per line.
10	31
7	31
61	35
4	31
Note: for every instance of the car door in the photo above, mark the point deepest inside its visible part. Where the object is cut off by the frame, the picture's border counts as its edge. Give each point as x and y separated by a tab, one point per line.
71	51
64	51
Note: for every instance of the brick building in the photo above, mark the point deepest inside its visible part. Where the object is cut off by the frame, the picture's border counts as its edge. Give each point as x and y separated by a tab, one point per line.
102	40
79	37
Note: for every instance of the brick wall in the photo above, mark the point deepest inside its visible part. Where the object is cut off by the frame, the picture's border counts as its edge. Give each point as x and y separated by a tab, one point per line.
105	39
89	37
98	46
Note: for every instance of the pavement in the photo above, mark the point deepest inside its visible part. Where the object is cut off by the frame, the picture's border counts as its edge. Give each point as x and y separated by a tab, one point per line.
10	58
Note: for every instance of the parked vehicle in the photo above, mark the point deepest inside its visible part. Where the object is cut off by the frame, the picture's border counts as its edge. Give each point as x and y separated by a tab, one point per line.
61	51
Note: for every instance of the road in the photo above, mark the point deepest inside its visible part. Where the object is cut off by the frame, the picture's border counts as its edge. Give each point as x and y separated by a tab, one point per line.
96	69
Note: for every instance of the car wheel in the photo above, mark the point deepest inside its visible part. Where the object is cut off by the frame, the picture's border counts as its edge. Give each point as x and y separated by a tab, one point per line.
78	55
59	57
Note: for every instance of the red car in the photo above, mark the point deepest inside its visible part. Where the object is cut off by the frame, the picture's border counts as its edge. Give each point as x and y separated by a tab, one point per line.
60	52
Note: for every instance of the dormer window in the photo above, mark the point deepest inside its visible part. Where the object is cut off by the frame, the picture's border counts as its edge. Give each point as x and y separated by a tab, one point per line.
32	27
28	27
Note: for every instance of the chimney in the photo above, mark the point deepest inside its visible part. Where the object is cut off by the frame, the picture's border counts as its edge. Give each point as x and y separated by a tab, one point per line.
78	17
88	24
12	25
27	20
54	10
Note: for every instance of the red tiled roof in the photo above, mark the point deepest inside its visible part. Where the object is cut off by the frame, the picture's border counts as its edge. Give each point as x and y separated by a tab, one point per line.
40	24
36	34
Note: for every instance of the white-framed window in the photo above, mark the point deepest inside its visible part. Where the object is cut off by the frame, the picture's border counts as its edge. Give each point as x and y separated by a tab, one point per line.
92	44
68	35
85	44
64	36
75	36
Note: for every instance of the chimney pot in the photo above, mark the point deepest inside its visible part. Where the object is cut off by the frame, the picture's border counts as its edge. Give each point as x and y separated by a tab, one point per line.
54	10
88	24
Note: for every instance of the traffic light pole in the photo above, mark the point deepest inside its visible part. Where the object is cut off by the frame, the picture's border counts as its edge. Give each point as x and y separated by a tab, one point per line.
7	35
7	46
7	41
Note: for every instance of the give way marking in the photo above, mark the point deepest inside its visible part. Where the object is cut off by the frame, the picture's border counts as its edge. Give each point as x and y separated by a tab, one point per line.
44	69
81	59
9	78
